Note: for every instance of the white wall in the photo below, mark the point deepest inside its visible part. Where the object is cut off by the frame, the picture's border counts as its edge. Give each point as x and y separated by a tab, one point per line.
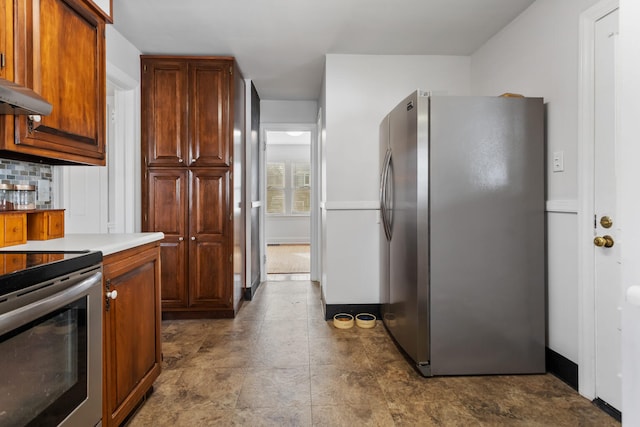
288	111
122	54
537	55
359	90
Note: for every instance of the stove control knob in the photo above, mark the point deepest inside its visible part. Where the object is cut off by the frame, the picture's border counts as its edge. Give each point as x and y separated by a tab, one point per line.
112	294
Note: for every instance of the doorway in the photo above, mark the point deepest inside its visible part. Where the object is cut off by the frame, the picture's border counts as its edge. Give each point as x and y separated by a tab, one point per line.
106	199
599	234
288	206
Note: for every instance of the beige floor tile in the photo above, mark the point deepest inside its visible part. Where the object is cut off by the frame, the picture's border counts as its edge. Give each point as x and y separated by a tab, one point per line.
334	385
282	351
350	416
272	417
218	386
347	352
275	388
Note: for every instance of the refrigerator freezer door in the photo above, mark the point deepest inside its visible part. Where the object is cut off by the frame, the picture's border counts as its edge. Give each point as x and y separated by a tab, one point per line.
407	307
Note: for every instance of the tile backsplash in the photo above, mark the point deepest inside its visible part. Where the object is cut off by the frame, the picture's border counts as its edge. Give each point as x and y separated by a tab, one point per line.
17	172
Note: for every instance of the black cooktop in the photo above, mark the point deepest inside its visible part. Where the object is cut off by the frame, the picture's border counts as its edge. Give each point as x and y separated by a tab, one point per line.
19	270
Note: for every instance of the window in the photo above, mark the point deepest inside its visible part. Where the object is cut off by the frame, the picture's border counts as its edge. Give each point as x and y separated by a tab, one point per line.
288	196
301	178
275	188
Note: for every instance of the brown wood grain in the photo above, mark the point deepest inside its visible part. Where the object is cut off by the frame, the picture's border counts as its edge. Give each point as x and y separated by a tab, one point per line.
187	108
60	54
132	340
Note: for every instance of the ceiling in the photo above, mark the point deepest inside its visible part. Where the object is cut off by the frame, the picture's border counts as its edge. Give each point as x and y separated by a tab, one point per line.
280	44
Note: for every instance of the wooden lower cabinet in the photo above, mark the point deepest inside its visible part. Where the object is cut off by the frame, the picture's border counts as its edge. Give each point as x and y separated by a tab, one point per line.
132	340
192	208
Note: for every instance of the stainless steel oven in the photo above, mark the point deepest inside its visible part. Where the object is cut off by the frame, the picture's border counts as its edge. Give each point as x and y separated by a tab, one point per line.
50	339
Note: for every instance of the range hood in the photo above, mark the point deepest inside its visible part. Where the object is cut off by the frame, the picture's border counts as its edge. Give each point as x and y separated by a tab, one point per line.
16	99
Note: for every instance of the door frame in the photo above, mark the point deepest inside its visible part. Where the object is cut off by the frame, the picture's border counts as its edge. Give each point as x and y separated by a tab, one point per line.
314	218
123	158
586	164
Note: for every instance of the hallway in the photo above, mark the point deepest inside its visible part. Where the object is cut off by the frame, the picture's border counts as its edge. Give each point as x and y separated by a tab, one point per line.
278	363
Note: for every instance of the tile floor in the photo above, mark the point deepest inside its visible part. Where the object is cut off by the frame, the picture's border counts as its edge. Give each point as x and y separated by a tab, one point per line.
278	363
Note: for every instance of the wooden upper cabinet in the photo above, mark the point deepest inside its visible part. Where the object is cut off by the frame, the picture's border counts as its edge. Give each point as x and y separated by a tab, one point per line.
164	107
60	54
6	37
186	104
209	119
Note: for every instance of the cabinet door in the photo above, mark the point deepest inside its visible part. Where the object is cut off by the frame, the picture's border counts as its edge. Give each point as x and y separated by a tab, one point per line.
209	137
6	61
164	111
6	38
132	330
209	254
166	211
63	47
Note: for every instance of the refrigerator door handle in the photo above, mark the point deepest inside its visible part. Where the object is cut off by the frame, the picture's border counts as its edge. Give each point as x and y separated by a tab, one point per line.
389	196
384	211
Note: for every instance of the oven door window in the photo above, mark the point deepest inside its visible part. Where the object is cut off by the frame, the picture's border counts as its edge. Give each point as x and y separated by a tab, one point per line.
44	366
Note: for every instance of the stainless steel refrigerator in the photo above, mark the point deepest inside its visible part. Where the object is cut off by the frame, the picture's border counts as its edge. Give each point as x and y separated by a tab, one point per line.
463	249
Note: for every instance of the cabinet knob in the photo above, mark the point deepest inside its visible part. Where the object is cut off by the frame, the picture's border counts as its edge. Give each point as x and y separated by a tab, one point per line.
193	160
112	294
193	237
180	160
180	239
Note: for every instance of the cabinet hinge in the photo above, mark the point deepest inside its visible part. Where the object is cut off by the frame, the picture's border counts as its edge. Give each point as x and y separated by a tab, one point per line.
230	217
144	67
2	60
230	258
231	70
107	300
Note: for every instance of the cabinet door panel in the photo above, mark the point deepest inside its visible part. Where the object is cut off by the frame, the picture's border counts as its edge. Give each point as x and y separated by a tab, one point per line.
135	349
209	211
64	49
164	110
209	113
167	212
209	268
167	204
174	285
209	252
132	330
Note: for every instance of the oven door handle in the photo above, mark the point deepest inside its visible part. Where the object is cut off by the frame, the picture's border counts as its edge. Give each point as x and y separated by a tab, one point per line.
20	316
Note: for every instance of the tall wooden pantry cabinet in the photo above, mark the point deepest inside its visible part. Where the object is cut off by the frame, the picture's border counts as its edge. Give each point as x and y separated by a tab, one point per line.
189	122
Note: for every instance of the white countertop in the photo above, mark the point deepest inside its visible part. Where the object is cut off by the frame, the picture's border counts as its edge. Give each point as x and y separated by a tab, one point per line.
107	243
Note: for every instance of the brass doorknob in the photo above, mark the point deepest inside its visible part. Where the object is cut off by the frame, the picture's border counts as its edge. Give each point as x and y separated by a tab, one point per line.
606	241
606	222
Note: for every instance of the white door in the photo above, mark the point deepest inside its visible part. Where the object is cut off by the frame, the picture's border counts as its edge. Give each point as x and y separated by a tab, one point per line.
608	286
